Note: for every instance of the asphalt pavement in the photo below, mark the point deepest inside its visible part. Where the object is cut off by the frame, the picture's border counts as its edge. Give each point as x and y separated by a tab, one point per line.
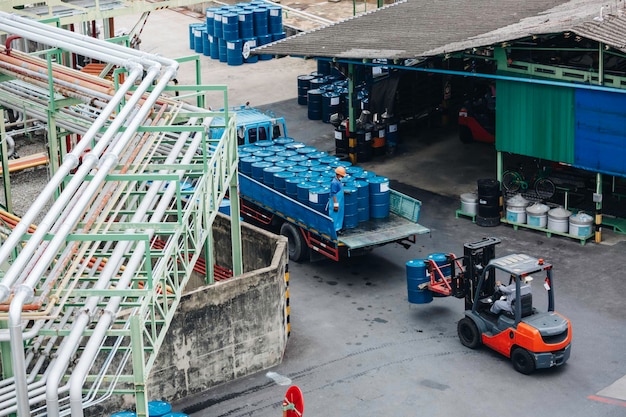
357	347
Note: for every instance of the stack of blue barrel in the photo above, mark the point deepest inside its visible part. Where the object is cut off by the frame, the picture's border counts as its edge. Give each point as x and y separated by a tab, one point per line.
155	409
304	173
230	32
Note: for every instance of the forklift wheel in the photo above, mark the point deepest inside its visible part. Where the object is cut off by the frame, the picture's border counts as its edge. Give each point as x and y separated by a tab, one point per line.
468	333
523	361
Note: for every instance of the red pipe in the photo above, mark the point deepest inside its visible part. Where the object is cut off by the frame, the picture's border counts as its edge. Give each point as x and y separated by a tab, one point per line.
7	44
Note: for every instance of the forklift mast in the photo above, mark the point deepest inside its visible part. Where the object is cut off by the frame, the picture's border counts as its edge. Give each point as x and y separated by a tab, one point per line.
476	256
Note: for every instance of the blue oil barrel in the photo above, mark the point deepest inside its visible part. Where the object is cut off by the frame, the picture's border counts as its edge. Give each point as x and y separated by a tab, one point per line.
260	19
223	50
303	191
293	145
275	19
158	408
329	160
350	207
365	175
230	26
217	24
379	197
304	84
245	164
215	47
249	43
274	159
309	163
319	169
323	67
441	260
285	163
266	143
354	171
318	197
176	414
363	200
287	153
291	186
124	414
330	105
197	39
234	55
268	175
243	154
317	155
297	158
318	83
280	179
314	100
284	141
257	169
416	274
341	141
263	40
206	44
193	27
306	150
391	137
278	36
297	169
246	24
262	153
276	148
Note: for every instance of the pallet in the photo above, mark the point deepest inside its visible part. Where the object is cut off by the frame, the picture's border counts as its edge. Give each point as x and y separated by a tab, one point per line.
548	232
460	212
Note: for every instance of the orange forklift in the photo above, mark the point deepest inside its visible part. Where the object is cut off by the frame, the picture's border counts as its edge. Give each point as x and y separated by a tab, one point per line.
532	338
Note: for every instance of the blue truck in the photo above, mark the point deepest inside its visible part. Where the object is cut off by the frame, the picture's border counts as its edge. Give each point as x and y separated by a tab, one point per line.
310	231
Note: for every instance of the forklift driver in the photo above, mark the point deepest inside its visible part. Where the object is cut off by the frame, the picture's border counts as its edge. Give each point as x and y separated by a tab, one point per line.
508	296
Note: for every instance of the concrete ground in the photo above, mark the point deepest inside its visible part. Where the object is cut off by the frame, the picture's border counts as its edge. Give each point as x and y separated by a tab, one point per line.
357	347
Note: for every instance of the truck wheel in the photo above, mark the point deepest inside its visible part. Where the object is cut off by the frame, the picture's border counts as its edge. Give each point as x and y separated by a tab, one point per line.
523	361
298	248
468	333
465	134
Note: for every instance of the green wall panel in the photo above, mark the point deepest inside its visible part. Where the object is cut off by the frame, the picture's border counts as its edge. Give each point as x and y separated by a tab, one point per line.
535	120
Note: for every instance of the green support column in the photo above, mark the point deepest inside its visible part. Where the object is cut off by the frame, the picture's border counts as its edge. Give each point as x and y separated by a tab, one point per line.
6	180
139	370
233	190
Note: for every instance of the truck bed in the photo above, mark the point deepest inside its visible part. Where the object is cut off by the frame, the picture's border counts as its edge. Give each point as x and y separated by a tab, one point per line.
401	223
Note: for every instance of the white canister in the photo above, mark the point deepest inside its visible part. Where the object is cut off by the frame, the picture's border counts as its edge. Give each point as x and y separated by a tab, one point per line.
558	219
469	203
580	224
516	209
537	215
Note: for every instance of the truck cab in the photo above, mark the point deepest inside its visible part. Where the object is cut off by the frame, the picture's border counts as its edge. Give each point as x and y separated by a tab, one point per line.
252	125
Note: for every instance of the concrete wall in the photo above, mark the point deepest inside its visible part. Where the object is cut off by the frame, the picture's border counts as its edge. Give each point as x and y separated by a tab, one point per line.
226	330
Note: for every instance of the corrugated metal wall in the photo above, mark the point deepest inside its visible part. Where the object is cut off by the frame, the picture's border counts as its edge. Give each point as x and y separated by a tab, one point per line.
535	120
600	132
584	128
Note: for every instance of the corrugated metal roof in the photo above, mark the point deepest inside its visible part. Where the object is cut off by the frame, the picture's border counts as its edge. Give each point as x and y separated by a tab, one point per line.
416	29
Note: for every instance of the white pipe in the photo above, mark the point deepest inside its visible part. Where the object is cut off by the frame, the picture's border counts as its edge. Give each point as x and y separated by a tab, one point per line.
109	161
93	346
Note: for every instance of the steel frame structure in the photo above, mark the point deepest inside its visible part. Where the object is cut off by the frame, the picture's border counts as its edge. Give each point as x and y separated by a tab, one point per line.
88	297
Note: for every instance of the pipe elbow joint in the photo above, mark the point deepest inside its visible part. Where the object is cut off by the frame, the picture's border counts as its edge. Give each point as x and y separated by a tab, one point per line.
28	293
5	291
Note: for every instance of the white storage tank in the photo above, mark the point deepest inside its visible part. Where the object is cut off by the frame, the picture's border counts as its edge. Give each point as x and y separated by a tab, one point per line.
469	203
580	224
537	215
516	209
558	219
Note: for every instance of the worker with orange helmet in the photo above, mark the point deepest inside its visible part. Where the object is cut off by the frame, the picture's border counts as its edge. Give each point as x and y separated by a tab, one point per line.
335	206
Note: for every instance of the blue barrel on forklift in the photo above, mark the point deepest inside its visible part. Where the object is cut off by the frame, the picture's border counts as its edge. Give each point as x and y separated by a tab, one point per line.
416	274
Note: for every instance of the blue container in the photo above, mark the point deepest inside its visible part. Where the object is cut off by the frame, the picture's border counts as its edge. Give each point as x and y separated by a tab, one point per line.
314	100
234	52
197	39
318	198
217	23
306	150
304	85
294	146
158	408
363	200
261	153
206	44
441	261
276	148
243	154
364	175
309	163
124	414
193	27
266	143
260	18
263	40
275	19
317	155
350	207
287	153
224	209
274	159
249	43
354	171
328	160
391	137
246	24
248	148
298	158
416	274
291	186
223	50
323	67
285	163
379	197
257	169
297	169
268	175
280	179
245	164
278	36
303	191
210	19
230	26
330	105
215	47
284	141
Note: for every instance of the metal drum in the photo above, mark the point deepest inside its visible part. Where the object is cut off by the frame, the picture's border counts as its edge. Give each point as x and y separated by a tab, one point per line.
269	173
304	84
230	26
304	188
350	207
330	105
280	180
363	200
250	43
234	52
257	169
417	274
260	21
379	197
314	100
291	186
318	198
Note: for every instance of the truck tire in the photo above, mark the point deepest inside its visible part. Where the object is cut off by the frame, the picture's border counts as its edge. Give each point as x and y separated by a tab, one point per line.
468	333
298	248
523	361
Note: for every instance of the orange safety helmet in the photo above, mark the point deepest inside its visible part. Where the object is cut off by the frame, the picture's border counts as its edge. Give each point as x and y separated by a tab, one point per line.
340	171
